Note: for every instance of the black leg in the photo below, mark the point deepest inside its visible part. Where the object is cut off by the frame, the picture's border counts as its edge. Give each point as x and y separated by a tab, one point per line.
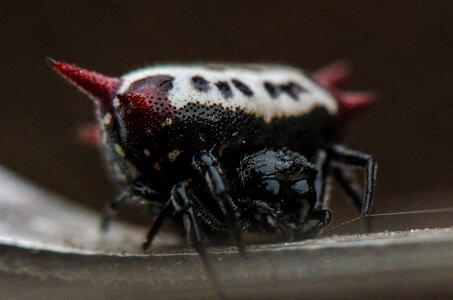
323	217
182	203
166	211
272	219
350	157
320	161
344	178
206	164
142	189
112	208
206	217
137	189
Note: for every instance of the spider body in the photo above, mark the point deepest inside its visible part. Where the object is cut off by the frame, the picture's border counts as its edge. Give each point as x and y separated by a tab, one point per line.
165	115
227	149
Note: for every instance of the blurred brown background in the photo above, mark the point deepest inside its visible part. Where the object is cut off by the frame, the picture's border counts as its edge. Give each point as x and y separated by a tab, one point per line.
403	49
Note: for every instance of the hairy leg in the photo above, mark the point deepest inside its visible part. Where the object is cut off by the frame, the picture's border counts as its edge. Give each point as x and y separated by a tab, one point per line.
207	166
182	203
168	209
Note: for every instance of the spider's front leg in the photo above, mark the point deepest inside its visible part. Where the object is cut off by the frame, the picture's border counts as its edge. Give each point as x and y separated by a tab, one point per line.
181	202
350	157
208	167
333	161
184	191
320	161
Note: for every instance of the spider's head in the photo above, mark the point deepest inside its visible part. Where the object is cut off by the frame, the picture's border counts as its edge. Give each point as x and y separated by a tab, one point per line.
281	180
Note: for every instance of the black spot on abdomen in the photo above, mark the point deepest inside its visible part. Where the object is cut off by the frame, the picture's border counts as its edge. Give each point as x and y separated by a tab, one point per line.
273	90
242	87
293	89
224	89
200	84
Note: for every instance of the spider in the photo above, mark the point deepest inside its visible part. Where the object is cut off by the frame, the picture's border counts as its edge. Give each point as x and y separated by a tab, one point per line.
227	149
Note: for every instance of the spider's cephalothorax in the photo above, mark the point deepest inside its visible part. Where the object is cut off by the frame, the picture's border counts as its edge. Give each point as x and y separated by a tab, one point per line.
278	191
227	148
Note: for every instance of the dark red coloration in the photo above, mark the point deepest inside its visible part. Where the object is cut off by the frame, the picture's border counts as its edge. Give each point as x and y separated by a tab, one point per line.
135	114
97	86
353	101
333	75
146	101
145	105
142	112
89	135
132	101
149	94
331	78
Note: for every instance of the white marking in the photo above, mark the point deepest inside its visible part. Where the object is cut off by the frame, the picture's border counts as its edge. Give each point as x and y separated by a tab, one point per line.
118	172
147	153
116	102
107	119
103	136
173	155
119	150
168	122
260	104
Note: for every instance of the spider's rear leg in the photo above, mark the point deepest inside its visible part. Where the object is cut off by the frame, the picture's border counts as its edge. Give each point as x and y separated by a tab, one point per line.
111	209
137	189
207	166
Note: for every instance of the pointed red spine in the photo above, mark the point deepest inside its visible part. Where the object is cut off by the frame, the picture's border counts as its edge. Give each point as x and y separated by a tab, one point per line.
332	76
97	86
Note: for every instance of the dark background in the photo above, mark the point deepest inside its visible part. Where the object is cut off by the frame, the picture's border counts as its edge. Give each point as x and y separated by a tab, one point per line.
403	49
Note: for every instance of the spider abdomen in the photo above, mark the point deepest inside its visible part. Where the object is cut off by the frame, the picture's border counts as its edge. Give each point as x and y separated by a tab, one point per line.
168	110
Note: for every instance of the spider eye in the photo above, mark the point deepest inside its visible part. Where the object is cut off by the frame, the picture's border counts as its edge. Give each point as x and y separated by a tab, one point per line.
270	187
303	187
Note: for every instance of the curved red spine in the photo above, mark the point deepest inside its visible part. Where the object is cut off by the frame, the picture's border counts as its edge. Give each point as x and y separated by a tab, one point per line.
331	78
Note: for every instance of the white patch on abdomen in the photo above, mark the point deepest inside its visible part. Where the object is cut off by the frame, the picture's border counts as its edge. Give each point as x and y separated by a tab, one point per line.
260	104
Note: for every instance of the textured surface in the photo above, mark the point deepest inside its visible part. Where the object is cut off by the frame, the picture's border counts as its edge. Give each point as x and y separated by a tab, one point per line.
249	92
50	249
